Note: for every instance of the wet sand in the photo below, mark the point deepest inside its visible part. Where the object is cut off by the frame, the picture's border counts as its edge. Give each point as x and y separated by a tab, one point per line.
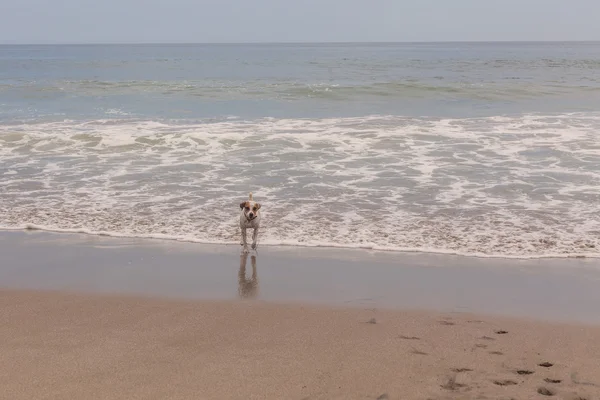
551	289
102	318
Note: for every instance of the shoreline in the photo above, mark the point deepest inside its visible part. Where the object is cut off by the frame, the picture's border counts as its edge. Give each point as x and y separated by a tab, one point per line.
332	246
543	289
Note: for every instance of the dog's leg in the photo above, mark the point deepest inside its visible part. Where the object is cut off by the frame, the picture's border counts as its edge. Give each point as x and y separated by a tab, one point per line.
254	237
244	239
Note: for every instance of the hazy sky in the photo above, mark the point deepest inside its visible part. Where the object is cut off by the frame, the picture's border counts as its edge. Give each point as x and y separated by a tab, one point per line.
157	21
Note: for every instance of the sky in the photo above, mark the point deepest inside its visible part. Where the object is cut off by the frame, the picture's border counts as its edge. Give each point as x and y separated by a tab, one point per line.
237	21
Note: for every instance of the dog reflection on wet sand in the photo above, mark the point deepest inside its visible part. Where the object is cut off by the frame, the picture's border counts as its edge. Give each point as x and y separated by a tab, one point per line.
247	287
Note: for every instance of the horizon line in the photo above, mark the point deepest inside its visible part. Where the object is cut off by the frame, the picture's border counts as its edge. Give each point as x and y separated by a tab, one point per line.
291	42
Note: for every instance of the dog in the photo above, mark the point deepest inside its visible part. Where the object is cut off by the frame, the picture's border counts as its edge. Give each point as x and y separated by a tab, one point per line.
250	218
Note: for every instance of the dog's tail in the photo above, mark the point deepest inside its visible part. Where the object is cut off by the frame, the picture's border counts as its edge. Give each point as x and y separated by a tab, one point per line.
250	196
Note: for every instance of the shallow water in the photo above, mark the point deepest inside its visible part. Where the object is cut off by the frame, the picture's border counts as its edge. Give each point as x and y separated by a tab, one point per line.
476	149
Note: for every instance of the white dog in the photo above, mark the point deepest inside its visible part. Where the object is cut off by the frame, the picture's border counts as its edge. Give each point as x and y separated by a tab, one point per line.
250	218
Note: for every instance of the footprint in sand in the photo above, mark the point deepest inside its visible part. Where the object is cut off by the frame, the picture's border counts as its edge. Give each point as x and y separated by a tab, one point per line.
505	382
546	392
419	352
447	323
409	337
452	385
548	380
459	370
524	372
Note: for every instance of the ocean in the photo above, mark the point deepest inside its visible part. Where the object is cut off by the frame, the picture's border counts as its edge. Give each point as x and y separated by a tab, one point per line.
477	149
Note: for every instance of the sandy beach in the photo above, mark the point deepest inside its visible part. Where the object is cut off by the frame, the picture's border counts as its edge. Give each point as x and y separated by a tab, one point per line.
102	318
59	346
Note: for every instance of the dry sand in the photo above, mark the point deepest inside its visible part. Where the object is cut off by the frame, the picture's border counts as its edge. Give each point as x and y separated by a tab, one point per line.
56	345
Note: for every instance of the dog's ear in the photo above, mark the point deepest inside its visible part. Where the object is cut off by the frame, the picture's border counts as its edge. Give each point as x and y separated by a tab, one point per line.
258	206
242	205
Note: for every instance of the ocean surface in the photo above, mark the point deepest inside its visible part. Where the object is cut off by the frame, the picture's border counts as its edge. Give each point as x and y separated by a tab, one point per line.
482	149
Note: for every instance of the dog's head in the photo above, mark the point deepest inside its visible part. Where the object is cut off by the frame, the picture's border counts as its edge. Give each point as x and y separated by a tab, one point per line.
250	209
